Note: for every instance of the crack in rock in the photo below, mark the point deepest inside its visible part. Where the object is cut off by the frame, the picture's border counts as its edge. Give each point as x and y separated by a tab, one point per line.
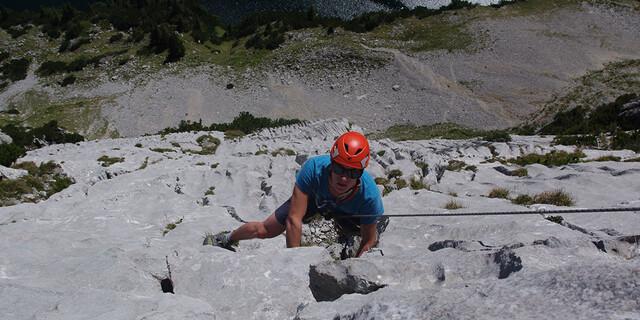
329	281
232	212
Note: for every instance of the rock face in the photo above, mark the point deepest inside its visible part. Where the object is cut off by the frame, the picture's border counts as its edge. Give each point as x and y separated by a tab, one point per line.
631	112
125	241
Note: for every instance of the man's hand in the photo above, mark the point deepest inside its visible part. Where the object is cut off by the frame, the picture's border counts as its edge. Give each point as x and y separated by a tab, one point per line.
297	211
369	236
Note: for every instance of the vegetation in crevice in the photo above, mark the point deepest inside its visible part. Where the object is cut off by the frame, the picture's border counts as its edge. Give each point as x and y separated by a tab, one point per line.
40	183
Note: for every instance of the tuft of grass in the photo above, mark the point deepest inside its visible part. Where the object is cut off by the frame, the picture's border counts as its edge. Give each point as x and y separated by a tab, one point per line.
417	184
208	143
554	158
381	153
171	226
175	144
556	219
387	190
557	197
456	165
381	181
633	160
232	134
471	168
261	152
144	164
215	165
162	150
453	193
453	205
501	193
608	158
523	200
395	173
520	172
108	161
283	152
436	131
400	183
40	183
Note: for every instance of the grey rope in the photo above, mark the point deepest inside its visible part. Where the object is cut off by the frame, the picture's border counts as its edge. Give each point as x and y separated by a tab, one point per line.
495	213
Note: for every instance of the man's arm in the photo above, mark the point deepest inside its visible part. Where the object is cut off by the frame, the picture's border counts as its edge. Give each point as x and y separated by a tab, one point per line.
369	235
297	211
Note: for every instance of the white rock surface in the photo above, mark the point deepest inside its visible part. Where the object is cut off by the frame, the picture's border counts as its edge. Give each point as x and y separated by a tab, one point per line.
96	250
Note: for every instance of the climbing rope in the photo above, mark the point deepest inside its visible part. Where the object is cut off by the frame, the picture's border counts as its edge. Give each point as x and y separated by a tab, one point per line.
495	213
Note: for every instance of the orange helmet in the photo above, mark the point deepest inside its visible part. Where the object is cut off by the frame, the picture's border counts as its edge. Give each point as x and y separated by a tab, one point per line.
351	150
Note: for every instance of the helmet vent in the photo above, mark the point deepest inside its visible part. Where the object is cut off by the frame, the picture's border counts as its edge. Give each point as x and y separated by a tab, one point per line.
358	151
346	147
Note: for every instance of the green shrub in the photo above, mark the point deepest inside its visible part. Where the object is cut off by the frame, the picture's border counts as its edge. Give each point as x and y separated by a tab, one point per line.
48	68
497	136
381	153
60	183
588	140
554	158
171	226
116	37
395	173
456	165
29	166
261	152
71	79
626	140
558	198
523	199
15	69
108	161
453	205
9	153
501	193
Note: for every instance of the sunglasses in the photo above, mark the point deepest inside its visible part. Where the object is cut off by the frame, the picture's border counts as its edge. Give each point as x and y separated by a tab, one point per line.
346	172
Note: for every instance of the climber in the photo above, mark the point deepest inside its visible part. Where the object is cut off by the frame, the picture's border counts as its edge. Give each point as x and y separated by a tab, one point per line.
335	186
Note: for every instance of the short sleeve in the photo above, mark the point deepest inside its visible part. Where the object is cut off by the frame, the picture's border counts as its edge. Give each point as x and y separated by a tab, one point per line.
304	180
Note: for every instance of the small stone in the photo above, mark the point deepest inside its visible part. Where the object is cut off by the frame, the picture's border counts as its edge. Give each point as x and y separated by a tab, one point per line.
396	87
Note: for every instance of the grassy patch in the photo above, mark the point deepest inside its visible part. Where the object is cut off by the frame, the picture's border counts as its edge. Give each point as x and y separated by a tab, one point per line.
520	172
162	150
233	134
523	200
39	184
554	158
608	158
557	197
588	140
283	152
108	161
171	226
400	183
501	193
436	131
211	191
555	219
417	184
633	160
456	165
453	205
381	181
395	173
208	143
433	33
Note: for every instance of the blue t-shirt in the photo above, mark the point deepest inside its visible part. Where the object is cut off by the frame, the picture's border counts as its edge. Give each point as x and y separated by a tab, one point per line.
313	180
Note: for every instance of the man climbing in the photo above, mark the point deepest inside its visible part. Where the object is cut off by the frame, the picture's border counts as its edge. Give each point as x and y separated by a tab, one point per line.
335	186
